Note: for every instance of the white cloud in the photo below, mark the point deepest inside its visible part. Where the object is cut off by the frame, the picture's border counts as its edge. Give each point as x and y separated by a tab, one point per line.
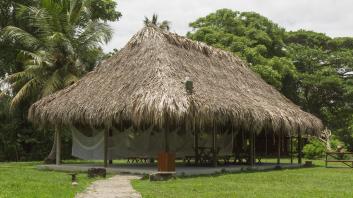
332	17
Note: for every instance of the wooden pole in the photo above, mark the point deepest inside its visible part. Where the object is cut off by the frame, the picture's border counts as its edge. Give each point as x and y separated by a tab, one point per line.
58	145
106	132
166	133
299	148
166	145
110	135
291	149
196	134
233	144
252	157
266	144
214	147
254	135
279	149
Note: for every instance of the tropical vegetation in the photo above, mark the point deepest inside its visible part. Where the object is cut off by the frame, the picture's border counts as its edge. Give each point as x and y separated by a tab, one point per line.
306	66
52	44
47	45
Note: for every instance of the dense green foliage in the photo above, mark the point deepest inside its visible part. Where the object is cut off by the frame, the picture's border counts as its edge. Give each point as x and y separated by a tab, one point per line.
23	180
314	150
47	46
302	64
305	182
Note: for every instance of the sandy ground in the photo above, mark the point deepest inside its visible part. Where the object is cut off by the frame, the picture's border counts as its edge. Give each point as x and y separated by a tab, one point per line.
118	186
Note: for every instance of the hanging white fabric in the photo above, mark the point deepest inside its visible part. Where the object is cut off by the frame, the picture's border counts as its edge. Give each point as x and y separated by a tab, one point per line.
137	143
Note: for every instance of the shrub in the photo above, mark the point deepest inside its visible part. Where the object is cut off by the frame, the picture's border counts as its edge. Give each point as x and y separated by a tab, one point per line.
314	149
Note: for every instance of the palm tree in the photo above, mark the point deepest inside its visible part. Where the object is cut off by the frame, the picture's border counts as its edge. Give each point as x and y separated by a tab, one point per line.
165	25
56	48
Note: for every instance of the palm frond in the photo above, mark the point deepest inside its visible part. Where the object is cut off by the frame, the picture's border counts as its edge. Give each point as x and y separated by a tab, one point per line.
39	57
20	36
36	18
76	7
52	84
27	91
23	75
154	20
94	34
69	79
146	21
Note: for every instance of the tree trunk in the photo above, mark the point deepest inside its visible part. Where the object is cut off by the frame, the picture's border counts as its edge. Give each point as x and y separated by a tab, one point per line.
50	159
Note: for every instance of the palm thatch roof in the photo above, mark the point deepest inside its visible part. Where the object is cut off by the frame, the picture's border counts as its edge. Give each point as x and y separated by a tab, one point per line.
143	85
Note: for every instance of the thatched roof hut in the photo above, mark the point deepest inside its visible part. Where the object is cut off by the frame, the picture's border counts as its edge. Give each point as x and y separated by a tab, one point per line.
144	85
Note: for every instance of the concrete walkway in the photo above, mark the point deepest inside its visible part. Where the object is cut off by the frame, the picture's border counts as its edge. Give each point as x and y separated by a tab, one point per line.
118	186
143	169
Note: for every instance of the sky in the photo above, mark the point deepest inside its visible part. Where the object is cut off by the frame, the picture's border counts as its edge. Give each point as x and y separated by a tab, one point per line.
333	17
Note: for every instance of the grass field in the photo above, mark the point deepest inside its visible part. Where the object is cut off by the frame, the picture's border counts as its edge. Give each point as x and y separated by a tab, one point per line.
306	182
23	180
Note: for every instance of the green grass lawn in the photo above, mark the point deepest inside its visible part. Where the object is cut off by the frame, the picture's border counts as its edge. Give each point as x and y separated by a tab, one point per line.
23	180
306	182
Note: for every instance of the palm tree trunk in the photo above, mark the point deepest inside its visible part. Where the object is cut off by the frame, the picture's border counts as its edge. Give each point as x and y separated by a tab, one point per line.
50	159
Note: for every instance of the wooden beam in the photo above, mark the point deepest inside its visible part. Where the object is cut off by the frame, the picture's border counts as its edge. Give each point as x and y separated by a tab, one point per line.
279	149
166	134
58	145
110	135
214	147
299	148
106	132
196	136
252	151
166	140
291	149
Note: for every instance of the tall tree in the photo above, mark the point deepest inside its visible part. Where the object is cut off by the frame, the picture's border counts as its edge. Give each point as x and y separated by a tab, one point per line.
57	42
301	64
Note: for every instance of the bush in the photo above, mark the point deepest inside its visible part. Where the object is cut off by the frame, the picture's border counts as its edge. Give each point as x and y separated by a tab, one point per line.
314	150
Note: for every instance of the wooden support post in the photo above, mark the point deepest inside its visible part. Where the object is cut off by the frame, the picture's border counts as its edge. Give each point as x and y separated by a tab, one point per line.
291	149
266	144
196	134
279	149
299	148
233	144
110	135
58	145
106	132
254	135
214	148
326	161
252	157
166	141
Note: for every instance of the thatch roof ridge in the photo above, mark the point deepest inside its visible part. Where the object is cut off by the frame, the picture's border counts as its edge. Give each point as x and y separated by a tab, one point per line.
180	41
142	85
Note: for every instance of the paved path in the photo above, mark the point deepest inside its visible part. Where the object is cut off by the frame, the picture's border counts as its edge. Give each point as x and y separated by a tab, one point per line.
118	186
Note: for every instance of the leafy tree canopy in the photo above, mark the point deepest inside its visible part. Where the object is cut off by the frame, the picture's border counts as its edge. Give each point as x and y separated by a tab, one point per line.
302	64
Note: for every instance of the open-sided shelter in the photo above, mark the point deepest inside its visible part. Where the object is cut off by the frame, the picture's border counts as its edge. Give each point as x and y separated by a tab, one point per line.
170	87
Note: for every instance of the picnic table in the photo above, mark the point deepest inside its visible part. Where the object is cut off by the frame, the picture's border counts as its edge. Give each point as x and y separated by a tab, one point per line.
206	155
131	160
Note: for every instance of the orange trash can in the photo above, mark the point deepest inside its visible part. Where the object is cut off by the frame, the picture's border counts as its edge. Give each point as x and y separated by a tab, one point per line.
166	162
